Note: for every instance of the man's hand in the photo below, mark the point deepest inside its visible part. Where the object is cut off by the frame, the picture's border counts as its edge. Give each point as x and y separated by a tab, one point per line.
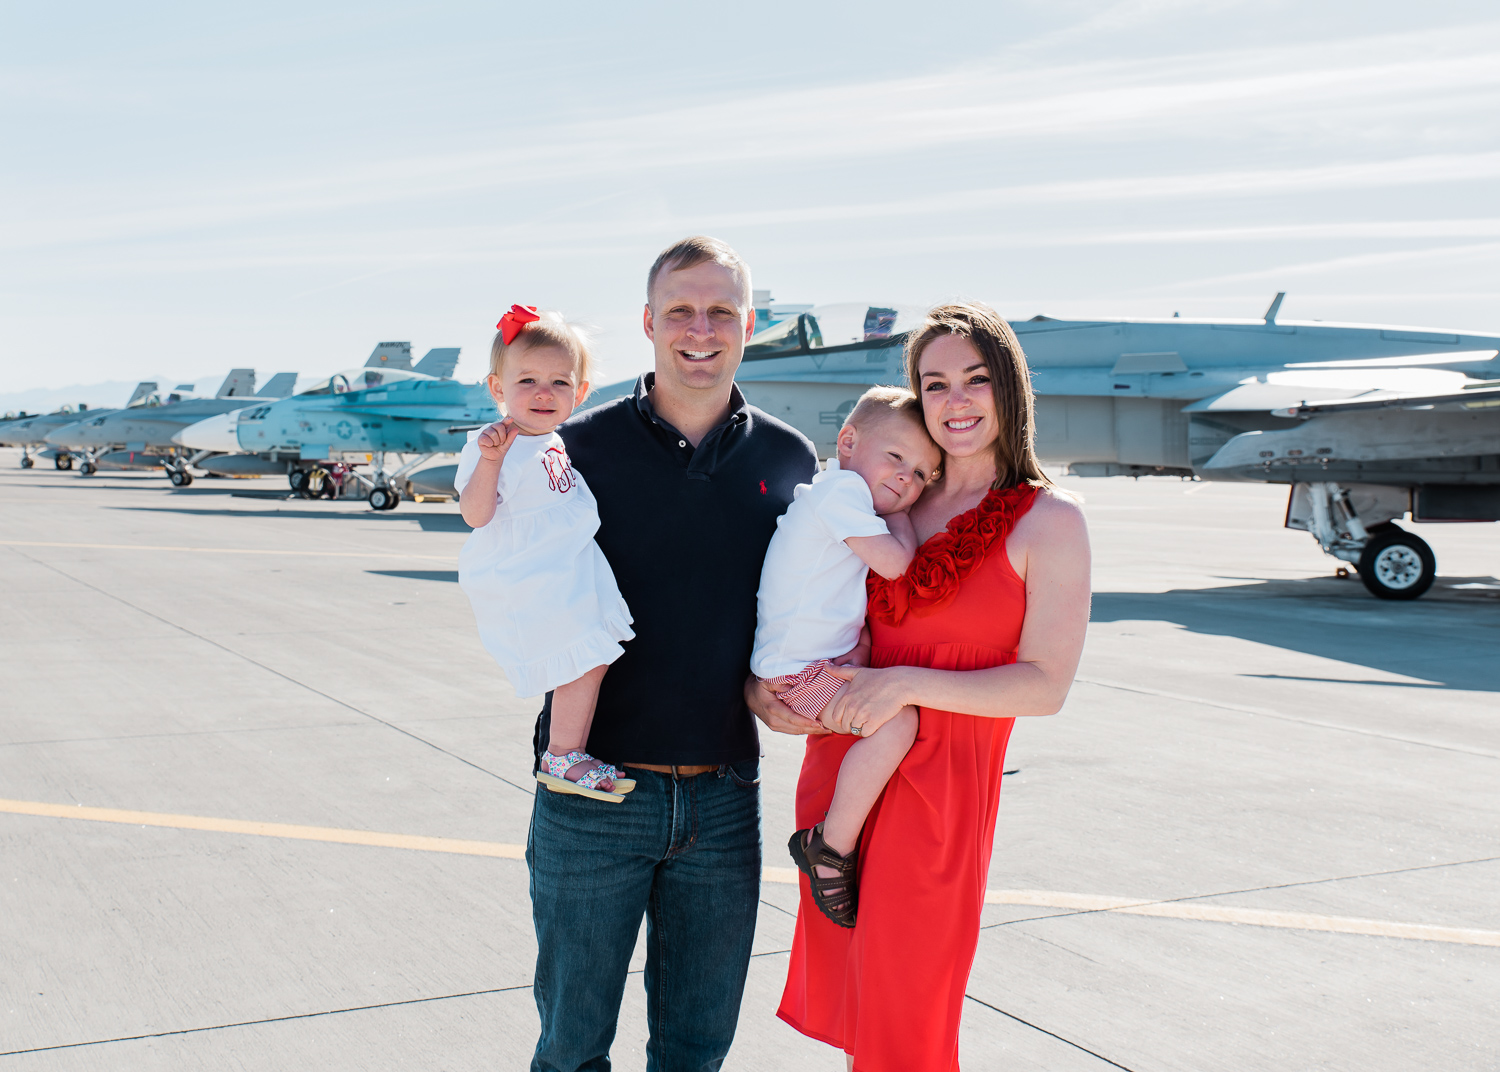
495	439
775	714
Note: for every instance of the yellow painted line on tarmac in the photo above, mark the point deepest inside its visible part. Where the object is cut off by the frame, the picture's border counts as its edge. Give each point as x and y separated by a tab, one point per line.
276	830
1254	917
226	550
1084	902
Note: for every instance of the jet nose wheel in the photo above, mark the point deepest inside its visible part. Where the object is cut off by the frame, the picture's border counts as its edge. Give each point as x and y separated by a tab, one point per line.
179	478
1397	565
383	498
88	468
26	462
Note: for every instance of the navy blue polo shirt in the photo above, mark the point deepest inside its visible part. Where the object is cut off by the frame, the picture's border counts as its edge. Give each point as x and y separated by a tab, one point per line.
685	531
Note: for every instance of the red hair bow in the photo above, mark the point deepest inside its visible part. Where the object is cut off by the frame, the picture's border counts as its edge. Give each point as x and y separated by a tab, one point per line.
512	322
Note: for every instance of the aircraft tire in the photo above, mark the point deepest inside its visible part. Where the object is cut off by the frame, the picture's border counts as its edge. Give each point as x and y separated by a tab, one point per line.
1397	565
180	478
87	469
26	462
297	478
380	499
63	461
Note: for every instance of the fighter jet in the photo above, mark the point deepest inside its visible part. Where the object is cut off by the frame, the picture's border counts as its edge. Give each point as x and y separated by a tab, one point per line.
141	438
1365	423
352	418
30	432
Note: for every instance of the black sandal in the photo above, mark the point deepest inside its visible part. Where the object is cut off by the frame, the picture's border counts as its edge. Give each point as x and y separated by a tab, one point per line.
837	897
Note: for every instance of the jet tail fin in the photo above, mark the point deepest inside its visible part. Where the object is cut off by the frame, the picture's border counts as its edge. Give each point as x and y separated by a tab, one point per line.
439	362
395	355
278	386
142	392
239	383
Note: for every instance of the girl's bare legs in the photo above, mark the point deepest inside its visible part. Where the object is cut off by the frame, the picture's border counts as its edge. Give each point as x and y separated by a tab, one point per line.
573	715
867	766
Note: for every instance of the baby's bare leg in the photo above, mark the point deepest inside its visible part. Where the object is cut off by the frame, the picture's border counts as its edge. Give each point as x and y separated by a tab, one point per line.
867	766
573	715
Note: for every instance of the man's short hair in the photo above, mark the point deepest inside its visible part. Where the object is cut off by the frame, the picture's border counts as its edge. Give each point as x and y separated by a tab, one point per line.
691	252
880	404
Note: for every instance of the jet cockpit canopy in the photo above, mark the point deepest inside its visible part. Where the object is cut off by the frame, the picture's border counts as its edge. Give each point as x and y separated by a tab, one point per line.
362	379
826	327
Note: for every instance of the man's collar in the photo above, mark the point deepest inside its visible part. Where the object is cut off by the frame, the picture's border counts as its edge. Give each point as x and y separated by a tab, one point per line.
738	407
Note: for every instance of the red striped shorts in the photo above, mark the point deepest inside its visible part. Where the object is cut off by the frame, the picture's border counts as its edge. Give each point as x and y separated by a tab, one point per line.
811	689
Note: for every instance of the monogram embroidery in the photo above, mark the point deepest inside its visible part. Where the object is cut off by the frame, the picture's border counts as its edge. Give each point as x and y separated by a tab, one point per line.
559	468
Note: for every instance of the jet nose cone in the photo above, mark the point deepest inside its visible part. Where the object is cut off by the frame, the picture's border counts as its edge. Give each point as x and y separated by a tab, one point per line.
218	433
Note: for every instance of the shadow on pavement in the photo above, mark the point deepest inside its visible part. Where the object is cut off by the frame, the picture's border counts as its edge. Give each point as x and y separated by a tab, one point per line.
418	574
338	510
1444	638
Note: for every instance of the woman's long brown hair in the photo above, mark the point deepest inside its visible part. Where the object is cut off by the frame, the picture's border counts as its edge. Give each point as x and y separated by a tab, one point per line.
1010	380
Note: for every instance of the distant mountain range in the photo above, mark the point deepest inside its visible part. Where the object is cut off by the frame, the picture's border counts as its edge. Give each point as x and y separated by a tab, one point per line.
107	395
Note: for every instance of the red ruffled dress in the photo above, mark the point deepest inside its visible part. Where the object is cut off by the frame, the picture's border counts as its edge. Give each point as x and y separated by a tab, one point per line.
891	990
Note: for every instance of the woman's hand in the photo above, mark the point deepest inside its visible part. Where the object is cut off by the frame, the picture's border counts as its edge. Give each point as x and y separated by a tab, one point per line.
775	714
871	698
495	439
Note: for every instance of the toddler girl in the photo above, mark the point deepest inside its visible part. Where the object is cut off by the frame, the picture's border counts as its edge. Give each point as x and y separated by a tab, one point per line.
544	597
811	608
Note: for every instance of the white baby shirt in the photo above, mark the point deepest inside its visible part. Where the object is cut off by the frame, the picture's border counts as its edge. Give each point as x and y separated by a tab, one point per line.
811	603
544	597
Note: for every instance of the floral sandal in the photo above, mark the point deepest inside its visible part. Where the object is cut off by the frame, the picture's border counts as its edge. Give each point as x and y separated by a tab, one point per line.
837	897
555	777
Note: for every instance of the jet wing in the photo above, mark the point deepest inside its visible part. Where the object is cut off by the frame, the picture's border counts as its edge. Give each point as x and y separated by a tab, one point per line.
1278	392
1477	396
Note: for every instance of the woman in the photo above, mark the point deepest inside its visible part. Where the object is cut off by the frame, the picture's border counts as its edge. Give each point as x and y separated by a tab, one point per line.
986	625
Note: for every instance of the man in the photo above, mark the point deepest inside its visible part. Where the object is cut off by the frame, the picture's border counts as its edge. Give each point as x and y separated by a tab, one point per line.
690	481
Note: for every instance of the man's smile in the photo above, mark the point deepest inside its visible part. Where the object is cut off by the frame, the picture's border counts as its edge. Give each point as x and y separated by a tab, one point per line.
700	355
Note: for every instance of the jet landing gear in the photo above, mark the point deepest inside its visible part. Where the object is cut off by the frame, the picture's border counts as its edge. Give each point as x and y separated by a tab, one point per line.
63	461
1396	564
1392	563
180	478
383	497
26	461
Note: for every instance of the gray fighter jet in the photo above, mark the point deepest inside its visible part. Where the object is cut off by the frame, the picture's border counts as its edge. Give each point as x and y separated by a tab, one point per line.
30	432
352	418
1365	423
141	438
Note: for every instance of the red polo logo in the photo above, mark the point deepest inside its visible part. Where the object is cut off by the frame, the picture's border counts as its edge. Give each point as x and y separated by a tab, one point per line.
762	487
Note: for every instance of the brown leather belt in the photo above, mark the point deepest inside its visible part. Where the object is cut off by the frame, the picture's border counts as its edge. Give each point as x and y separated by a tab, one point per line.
676	770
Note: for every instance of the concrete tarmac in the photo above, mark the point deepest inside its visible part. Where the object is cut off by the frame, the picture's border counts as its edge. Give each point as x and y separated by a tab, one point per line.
1264	833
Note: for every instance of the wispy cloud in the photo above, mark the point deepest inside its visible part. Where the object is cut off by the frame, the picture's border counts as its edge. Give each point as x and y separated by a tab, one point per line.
1205	95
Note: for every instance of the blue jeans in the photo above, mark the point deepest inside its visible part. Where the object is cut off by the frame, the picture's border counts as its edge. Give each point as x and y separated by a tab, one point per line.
684	852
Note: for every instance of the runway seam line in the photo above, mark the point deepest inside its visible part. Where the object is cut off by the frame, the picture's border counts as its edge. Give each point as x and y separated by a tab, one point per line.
1174	908
272	670
266	1020
312	1015
1043	1030
1268	713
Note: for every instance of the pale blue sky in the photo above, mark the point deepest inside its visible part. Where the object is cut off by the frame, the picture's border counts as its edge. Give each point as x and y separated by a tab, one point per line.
282	185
